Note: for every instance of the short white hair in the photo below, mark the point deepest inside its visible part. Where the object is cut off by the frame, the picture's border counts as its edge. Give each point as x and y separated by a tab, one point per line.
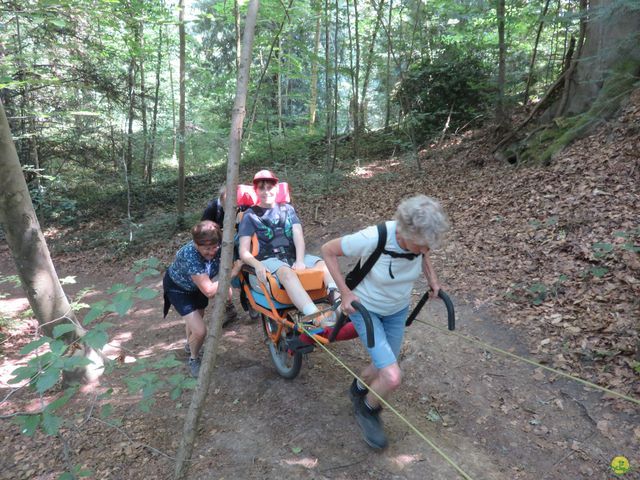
422	220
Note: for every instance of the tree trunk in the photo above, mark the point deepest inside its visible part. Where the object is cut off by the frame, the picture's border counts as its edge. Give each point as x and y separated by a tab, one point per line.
143	105
215	323
24	102
365	83
154	119
274	42
611	39
131	89
29	249
327	84
603	71
181	111
387	115
236	24
500	107
26	241
543	15
313	102
173	102
279	84
354	69
572	61
334	158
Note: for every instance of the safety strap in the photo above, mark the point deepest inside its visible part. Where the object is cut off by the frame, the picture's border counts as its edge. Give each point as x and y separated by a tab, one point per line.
283	248
355	276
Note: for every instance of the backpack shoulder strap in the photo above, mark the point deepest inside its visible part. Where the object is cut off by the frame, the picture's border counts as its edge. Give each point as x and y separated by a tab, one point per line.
355	276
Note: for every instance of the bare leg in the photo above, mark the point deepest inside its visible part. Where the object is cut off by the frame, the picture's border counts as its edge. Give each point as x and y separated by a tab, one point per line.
197	331
328	279
383	382
294	288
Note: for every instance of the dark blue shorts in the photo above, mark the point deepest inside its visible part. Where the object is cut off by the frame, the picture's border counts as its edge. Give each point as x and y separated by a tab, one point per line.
184	302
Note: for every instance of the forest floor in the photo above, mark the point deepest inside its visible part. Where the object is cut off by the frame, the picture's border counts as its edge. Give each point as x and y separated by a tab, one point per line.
541	263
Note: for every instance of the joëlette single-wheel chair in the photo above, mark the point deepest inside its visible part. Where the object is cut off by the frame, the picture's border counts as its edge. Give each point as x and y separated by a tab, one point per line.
289	334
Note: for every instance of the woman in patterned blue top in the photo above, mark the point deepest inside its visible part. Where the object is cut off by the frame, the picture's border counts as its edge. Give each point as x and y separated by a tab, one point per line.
191	280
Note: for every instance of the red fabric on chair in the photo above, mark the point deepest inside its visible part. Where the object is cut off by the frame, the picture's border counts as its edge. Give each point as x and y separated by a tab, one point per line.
347	332
246	196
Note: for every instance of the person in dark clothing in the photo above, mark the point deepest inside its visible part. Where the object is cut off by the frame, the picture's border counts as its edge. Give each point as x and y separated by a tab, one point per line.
215	208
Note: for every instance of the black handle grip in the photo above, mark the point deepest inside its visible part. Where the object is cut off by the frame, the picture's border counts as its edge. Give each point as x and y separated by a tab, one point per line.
451	314
367	322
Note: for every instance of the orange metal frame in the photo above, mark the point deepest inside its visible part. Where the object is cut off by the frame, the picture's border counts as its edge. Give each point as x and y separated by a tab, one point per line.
272	312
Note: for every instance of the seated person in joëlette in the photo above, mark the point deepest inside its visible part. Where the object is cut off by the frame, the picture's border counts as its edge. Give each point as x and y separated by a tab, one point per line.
215	208
191	280
281	246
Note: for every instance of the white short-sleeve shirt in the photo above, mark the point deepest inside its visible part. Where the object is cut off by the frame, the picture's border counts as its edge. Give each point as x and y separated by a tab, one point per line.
387	287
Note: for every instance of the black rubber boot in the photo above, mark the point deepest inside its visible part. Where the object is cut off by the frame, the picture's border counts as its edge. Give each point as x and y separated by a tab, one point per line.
369	422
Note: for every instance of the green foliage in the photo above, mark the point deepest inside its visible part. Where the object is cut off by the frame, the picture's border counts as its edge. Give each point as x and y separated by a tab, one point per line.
455	82
536	293
53	356
77	472
601	249
15	279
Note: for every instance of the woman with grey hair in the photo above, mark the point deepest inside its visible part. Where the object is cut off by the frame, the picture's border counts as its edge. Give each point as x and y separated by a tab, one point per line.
420	224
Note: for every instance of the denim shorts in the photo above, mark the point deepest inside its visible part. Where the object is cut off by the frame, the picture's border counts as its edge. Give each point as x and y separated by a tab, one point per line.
388	332
183	301
272	264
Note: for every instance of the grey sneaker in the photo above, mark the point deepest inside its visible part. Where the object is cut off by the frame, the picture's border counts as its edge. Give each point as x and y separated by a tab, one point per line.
370	424
194	367
187	350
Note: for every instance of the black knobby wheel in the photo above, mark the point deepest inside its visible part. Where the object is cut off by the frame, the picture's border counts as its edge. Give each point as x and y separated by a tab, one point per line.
287	364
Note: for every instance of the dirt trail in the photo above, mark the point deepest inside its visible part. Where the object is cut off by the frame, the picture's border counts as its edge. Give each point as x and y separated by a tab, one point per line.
494	417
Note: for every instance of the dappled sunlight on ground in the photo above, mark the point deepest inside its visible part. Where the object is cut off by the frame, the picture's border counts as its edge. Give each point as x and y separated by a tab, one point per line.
12	307
235	337
158	348
20	335
113	347
373	169
165	324
148	311
404	460
303	462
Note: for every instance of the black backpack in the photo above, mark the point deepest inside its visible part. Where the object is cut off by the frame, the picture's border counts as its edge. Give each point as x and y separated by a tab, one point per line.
355	276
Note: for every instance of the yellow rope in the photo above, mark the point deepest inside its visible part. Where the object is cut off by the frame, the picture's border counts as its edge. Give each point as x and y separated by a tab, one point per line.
386	404
526	360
